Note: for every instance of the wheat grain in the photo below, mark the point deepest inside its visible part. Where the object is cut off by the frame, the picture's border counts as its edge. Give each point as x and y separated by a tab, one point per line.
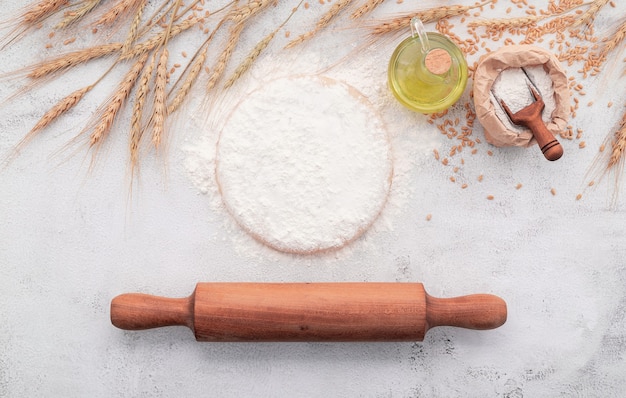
220	64
322	23
366	8
182	93
112	107
159	110
71	59
136	127
595	60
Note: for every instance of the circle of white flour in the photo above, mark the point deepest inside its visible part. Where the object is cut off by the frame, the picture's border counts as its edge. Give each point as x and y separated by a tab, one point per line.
304	164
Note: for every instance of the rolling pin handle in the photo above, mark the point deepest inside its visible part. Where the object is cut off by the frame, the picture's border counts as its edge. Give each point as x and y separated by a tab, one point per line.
136	311
477	311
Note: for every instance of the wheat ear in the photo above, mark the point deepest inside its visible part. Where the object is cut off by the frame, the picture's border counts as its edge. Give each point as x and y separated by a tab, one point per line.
618	145
257	50
122	7
607	163
134	26
112	107
253	7
366	8
78	13
429	15
249	60
595	60
159	110
193	74
159	38
69	60
39	11
31	18
610	43
52	114
588	16
221	62
507	23
615	164
322	23
136	127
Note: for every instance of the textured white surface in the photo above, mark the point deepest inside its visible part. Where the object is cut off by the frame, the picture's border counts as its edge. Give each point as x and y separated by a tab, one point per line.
72	239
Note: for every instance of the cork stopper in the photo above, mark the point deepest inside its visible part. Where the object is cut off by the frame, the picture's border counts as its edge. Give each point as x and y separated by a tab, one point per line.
438	61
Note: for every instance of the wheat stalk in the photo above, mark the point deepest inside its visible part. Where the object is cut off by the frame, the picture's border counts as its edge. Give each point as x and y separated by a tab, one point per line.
136	128
39	11
615	164
134	26
507	23
253	7
257	50
52	114
366	8
112	107
595	60
122	7
588	16
221	62
159	38
610	43
322	23
607	163
159	110
249	60
71	59
426	16
618	145
181	94
85	7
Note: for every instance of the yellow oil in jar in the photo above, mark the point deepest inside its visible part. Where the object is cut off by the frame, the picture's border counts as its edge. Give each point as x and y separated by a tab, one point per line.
417	87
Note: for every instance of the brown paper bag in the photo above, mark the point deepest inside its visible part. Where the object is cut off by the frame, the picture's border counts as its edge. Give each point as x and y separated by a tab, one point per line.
490	66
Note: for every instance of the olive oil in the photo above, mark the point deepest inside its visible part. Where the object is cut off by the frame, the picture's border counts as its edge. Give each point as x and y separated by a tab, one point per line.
425	87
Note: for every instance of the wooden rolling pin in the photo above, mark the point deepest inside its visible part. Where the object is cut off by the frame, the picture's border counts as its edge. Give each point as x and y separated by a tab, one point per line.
308	311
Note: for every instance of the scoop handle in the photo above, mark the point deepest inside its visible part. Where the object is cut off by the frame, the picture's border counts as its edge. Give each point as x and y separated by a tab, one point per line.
549	145
308	311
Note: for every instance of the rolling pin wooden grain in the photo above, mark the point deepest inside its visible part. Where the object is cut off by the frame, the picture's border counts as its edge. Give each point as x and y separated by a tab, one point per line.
308	311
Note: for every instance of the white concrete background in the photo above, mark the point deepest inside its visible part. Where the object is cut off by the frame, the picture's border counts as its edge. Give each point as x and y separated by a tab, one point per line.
73	238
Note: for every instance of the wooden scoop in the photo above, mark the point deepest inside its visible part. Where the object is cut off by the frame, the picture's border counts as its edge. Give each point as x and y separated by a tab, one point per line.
530	117
308	311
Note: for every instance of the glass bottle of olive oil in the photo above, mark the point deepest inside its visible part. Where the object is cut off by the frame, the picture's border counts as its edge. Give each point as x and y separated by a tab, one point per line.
427	71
